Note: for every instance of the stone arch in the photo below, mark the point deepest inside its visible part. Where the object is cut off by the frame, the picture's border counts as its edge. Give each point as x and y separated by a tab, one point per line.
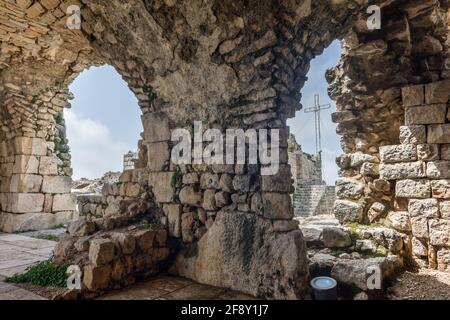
238	64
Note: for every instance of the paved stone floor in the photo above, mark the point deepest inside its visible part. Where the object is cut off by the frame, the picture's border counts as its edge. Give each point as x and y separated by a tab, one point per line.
17	252
173	288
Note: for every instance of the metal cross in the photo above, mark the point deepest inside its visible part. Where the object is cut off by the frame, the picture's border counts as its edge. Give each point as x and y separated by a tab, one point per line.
316	109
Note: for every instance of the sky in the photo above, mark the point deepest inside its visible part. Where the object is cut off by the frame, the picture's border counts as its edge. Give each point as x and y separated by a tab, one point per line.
103	124
104	121
302	126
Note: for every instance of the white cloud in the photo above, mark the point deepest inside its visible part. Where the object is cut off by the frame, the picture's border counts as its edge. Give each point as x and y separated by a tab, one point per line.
93	149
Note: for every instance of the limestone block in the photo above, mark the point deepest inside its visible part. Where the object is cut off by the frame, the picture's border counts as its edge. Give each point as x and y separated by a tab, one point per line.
101	251
25	164
399	221
126	241
242	183
334	237
440	189
358	158
413	134
412	188
133	190
223	168
443	259
30	146
347	188
24	4
424	207
173	213
277	206
190	178
156	127
248	257
444	208
418	248
348	211
439	230
438	169
404	170
437	92
370	169
64	202
438	133
158	155
209	181
225	183
398	153
429	114
26	202
375	211
35	10
209	202
187	226
48	203
11	222
280	182
188	195
81	228
48	166
50	4
428	152
57	184
144	239
25	183
161	183
7	169
413	95
419	227
445	152
354	273
96	277
222	199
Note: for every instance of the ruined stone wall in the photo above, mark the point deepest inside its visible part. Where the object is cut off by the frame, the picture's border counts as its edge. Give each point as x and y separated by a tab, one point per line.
311	195
129	160
418	170
411	48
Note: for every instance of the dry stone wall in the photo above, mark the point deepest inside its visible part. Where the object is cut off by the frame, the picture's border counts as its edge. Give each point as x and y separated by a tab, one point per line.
418	168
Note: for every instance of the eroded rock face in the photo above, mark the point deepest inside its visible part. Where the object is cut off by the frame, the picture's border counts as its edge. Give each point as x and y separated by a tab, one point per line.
240	251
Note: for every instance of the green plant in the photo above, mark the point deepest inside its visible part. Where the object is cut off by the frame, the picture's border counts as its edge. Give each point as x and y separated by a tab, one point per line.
42	274
149	224
176	177
50	237
165	166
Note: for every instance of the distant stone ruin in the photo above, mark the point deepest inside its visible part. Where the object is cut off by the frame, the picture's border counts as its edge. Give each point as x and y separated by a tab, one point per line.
312	196
129	160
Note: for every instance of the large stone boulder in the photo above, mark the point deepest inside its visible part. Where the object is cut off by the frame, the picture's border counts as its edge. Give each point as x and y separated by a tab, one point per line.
242	252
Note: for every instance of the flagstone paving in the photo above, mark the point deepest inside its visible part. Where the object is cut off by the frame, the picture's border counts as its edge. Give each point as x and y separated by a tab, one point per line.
17	252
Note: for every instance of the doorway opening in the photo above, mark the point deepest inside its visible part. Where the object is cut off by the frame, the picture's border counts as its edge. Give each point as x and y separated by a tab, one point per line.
98	135
314	143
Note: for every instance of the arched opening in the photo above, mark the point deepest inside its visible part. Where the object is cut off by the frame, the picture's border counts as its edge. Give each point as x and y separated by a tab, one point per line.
98	136
314	143
103	123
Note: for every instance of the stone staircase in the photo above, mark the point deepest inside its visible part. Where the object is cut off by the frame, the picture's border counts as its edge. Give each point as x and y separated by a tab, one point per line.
313	200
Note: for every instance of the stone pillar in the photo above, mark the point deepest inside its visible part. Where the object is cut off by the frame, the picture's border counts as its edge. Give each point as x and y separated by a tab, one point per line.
34	160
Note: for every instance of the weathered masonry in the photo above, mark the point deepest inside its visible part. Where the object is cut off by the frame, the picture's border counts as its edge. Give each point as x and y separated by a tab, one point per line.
229	64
